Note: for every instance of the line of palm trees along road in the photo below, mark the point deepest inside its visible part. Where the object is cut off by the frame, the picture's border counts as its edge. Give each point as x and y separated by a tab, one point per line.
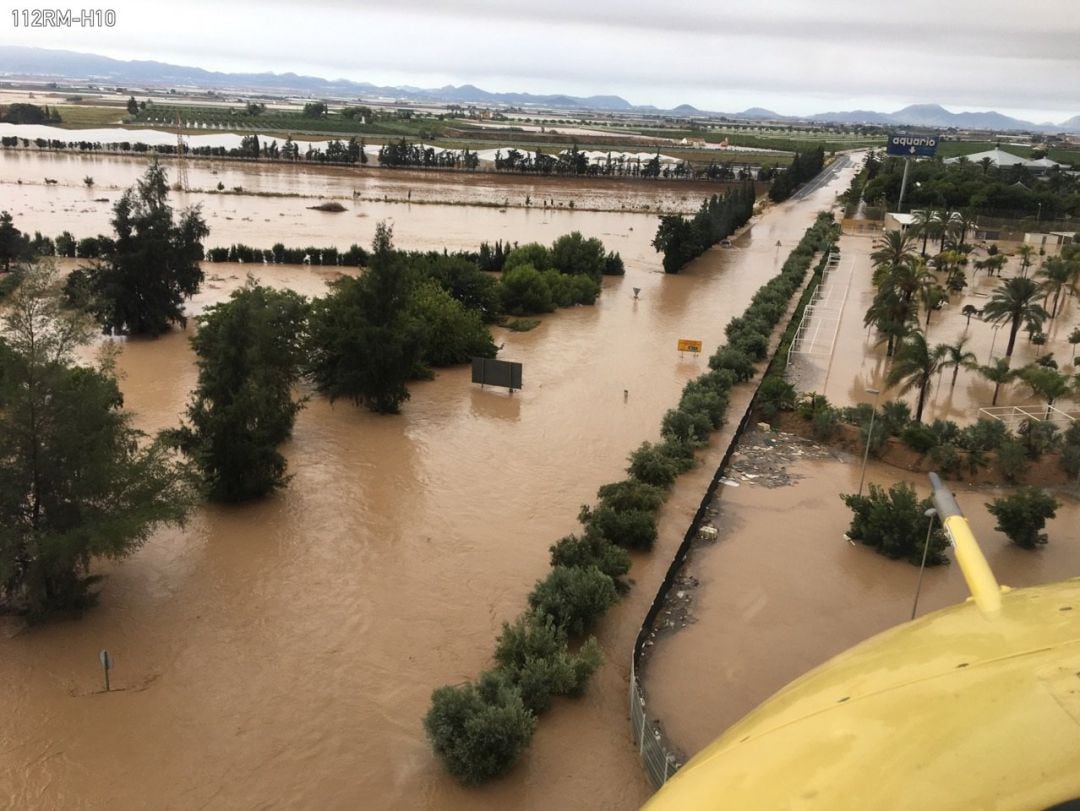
906	284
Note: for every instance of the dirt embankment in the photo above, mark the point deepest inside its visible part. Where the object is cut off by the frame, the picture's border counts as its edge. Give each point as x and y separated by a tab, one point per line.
1045	471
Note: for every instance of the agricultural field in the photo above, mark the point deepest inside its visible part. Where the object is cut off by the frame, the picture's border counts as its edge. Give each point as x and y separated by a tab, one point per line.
951	149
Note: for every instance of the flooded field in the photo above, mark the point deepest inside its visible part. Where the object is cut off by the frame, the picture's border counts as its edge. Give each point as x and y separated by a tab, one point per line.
781	591
23	173
282	654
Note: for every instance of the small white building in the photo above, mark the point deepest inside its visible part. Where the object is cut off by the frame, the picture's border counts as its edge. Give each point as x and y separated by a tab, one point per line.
1052	241
895	221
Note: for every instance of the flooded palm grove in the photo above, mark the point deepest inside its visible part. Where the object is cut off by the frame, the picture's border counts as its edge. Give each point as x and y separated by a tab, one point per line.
283	653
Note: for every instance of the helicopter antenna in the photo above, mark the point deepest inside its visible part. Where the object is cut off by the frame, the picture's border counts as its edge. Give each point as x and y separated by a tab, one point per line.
980	579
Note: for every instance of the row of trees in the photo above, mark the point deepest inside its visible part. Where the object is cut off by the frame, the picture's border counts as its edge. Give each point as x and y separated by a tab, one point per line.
405	154
22	113
681	239
953	450
975	187
480	728
804	166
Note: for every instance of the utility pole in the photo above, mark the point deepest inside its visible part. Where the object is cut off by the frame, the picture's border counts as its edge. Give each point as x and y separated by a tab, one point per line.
903	186
181	166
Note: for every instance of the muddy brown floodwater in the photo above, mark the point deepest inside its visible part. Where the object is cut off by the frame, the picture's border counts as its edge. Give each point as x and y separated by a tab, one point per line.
781	591
283	653
26	171
858	359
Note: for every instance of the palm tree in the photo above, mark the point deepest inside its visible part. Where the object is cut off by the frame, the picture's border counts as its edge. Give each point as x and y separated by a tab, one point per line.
932	296
986	163
968	311
1074	339
1025	251
946	227
913	367
906	278
998	373
995	263
964	222
1015	301
925	225
892	315
1055	275
891	249
955	356
1046	383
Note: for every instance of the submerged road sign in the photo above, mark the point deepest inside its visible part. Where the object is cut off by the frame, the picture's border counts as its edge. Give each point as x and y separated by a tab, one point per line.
689	345
906	145
491	372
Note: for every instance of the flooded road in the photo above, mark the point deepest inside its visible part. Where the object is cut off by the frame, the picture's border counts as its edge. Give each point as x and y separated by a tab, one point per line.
782	591
283	653
858	361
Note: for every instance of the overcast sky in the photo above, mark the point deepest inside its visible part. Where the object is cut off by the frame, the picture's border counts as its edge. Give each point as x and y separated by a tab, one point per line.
792	56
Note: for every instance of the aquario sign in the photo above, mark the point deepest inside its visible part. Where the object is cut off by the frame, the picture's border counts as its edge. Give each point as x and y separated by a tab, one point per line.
905	145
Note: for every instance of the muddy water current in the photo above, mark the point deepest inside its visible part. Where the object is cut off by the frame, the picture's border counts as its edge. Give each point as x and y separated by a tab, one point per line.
783	590
282	654
71	205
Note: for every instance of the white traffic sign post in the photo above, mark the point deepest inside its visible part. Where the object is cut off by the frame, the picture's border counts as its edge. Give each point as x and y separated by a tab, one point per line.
106	665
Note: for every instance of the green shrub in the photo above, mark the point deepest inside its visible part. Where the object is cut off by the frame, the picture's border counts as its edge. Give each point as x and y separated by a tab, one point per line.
1070	460
632	529
754	344
630	494
774	396
532	254
920	438
810	404
1022	515
649	464
945	431
720	381
825	424
859	415
9	282
985	435
894	523
735	360
689	427
700	398
533	653
525	292
1012	459
592	550
1038	437
679	453
946	458
895	416
479	729
747	322
574	597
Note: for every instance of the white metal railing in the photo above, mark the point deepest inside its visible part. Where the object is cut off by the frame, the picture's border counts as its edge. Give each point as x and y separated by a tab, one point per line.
1037	412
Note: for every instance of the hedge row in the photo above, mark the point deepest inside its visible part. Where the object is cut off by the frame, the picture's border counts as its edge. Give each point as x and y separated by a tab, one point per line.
481	728
953	449
355	256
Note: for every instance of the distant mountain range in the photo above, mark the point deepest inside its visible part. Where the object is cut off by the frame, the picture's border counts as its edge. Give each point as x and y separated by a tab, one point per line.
19	62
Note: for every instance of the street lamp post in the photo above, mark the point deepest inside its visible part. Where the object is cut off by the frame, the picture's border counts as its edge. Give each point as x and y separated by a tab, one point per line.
995	328
931	513
869	438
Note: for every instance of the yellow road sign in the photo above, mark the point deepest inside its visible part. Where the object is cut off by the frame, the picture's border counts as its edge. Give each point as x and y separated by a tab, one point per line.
688	345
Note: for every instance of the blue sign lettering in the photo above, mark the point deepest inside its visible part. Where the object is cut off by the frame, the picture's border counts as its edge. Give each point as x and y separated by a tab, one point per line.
902	144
